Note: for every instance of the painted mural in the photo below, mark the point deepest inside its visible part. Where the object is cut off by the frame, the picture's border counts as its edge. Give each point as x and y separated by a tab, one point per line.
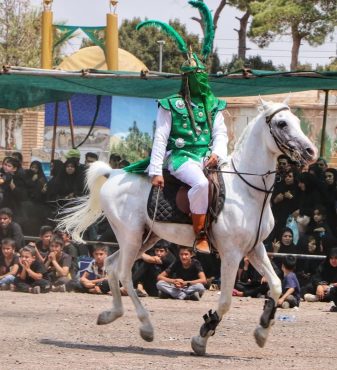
10	131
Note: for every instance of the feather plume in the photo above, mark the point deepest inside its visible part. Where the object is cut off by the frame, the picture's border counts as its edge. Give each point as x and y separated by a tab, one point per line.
207	19
168	30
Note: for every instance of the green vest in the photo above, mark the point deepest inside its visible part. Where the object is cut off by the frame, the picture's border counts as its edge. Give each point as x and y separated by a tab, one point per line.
185	142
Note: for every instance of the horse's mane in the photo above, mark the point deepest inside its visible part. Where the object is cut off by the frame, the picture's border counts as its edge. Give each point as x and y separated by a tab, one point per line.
242	139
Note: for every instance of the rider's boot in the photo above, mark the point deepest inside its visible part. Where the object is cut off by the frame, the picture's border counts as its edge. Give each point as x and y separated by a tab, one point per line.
201	243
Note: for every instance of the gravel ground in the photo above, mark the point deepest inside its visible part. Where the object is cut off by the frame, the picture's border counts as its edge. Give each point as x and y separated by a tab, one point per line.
59	331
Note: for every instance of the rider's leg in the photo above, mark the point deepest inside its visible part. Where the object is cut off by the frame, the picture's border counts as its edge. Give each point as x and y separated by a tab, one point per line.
191	173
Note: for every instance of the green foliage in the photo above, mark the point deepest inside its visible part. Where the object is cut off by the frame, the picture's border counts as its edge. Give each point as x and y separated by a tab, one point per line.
143	44
20	27
252	62
332	66
311	20
135	146
214	63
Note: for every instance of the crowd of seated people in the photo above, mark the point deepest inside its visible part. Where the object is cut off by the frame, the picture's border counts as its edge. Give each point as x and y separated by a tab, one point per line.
303	203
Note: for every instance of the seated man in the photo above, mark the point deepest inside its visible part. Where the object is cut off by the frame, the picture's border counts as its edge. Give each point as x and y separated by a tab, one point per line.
146	269
190	135
184	279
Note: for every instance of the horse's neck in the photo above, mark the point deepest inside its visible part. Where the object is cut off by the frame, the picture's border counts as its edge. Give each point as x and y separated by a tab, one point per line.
255	157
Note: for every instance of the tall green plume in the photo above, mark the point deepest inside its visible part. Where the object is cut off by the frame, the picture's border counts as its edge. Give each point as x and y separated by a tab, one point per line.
170	31
207	18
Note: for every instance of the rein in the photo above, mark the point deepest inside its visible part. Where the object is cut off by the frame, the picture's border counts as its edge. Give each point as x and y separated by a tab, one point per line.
283	148
266	191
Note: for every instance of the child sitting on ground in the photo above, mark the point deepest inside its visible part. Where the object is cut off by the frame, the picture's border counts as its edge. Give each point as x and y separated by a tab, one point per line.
58	265
9	263
94	279
42	246
32	276
290	286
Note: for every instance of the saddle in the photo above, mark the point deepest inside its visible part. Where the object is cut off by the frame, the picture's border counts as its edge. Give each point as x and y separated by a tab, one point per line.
173	204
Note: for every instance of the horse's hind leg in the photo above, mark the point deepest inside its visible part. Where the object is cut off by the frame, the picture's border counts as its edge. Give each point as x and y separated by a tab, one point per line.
128	253
259	259
117	310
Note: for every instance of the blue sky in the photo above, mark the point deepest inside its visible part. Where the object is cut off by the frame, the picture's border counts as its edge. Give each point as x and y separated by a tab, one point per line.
127	110
93	13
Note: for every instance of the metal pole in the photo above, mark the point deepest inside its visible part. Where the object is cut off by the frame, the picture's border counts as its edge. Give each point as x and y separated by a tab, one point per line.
47	35
161	43
325	115
71	123
53	146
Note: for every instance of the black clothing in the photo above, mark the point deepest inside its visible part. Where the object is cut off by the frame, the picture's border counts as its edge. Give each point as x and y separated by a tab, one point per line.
310	198
325	273
4	268
146	273
37	267
13	231
177	271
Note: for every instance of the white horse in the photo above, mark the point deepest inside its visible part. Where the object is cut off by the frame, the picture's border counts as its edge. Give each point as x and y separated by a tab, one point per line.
243	224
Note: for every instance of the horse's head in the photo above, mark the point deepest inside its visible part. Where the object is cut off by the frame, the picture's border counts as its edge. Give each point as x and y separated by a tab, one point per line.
287	136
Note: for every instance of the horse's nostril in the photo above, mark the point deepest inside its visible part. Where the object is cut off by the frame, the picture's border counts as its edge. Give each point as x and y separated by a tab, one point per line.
310	151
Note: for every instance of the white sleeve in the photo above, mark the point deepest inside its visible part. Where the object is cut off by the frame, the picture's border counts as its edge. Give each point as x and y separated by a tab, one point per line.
219	137
163	129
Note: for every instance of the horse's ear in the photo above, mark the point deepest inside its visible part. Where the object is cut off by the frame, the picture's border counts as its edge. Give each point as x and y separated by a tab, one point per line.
287	99
263	105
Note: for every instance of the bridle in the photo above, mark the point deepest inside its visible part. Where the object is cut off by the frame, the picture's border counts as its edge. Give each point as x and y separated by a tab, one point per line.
284	148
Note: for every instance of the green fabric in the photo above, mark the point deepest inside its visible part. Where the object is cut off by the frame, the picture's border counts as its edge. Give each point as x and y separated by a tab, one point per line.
183	141
21	91
200	90
192	64
89	31
138	167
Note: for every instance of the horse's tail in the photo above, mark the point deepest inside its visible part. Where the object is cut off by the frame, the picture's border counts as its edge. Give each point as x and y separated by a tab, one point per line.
87	209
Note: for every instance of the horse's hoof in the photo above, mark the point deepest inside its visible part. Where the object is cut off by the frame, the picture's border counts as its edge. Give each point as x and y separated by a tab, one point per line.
198	345
106	317
260	335
147	333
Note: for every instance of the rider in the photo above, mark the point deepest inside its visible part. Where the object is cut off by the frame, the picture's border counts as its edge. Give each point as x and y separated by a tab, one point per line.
190	135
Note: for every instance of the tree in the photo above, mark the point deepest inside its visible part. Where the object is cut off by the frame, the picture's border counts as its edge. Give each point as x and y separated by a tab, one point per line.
253	62
305	20
135	146
19	33
143	44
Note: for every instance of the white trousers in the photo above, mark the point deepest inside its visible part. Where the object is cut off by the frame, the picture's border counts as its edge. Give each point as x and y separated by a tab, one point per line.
191	173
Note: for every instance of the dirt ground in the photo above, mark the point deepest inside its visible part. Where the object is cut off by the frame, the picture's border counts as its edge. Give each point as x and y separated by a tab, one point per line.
59	331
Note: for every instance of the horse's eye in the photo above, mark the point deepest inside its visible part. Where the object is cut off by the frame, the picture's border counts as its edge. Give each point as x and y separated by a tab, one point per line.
281	124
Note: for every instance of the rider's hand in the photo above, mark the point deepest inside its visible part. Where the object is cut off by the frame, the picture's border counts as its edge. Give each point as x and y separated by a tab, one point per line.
212	161
158	180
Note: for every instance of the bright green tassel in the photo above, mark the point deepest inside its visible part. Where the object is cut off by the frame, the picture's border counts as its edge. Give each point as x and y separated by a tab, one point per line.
170	31
207	18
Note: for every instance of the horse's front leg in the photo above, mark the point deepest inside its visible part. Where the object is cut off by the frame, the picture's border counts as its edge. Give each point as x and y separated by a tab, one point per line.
260	260
229	268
